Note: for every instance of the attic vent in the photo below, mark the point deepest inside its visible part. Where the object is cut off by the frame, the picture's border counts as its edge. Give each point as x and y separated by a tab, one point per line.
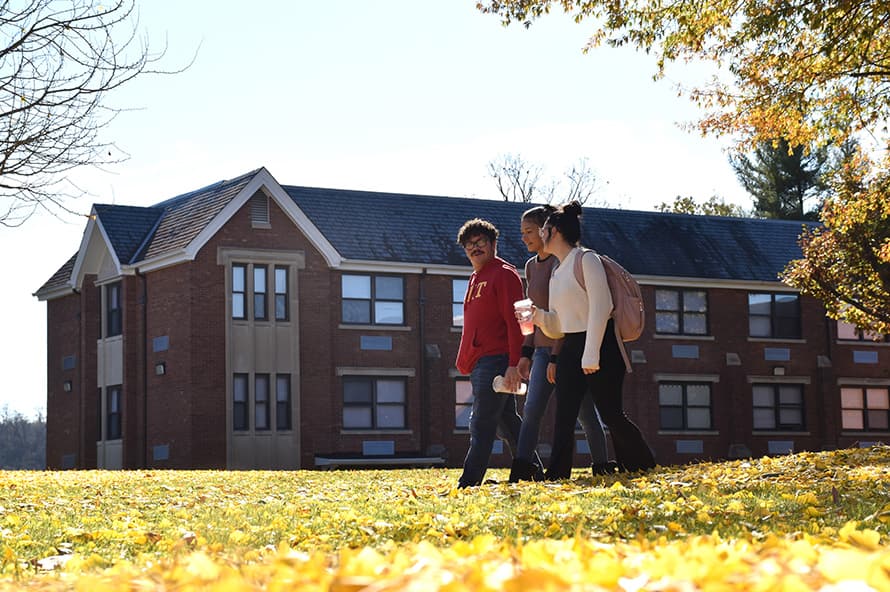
259	209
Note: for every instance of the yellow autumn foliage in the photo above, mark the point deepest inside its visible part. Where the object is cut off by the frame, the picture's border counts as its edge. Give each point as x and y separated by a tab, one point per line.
809	521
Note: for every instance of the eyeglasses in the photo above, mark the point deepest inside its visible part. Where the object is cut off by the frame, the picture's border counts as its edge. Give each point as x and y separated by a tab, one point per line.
476	244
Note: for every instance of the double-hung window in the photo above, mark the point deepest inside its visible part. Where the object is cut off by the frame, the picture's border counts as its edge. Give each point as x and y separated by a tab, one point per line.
778	407
458	292
261	411
373	403
113	310
865	408
282	402
685	406
774	315
681	312
260	281
113	413
239	291
281	311
373	299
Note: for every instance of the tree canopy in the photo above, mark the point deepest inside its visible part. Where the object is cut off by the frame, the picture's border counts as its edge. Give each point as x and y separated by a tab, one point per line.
786	183
715	206
59	59
810	72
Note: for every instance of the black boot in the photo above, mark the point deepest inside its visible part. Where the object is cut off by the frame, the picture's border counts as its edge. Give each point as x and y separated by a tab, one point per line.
606	468
523	470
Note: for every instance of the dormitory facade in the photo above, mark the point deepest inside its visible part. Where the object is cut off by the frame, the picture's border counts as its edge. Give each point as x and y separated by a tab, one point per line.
250	325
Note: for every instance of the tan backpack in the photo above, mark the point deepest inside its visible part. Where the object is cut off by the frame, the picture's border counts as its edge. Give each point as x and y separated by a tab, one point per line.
627	300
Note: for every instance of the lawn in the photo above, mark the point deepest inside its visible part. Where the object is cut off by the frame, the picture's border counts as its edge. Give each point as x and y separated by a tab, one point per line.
798	522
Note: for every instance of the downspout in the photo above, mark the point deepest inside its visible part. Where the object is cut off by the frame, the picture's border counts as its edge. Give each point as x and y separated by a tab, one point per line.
422	379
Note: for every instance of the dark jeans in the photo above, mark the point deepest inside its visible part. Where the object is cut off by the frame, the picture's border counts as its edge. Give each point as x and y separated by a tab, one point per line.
539	390
492	412
632	453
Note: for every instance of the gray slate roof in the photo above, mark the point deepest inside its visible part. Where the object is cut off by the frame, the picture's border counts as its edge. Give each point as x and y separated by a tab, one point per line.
422	229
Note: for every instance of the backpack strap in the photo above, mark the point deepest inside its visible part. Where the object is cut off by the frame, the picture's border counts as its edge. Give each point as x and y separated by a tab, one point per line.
578	268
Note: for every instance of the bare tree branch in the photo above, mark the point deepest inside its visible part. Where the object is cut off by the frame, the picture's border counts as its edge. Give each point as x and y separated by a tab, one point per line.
60	60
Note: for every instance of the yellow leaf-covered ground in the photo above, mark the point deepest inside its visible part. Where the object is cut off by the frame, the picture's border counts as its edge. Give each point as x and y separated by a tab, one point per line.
801	522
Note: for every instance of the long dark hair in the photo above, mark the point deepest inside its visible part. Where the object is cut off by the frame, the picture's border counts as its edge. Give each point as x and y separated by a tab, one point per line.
567	220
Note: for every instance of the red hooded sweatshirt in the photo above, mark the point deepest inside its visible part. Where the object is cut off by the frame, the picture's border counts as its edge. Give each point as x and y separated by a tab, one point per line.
490	327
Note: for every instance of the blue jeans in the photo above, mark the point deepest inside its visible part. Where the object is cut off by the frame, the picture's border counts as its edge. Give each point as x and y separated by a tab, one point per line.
492	413
539	391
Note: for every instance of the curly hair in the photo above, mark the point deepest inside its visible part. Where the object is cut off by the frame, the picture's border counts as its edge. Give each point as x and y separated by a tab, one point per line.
474	227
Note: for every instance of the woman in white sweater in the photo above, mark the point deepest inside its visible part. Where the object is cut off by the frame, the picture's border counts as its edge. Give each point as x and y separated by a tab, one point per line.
590	363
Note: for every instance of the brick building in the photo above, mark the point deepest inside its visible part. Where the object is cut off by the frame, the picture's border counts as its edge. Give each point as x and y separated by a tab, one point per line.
253	325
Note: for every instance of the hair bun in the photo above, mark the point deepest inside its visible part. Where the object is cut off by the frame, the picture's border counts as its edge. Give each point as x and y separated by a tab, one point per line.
572	208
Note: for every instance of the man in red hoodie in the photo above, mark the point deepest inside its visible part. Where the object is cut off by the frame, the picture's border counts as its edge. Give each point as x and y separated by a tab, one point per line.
490	345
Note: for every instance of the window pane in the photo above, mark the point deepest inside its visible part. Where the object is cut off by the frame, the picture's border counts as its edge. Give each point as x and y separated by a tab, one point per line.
847	330
759	304
667	322
259	280
786	305
389	288
390	416
390	391
457	314
671	418
877	419
695	302
695	324
670	394
698	395
261	416
852	420
357	391
388	313
280	307
280	280
790	395
759	326
667	300
459	290
282	388
239	273
357	311
876	398
851	398
239	392
698	419
356	417
791	417
259	306
238	306
787	327
463	391
764	419
763	396
356	286
239	416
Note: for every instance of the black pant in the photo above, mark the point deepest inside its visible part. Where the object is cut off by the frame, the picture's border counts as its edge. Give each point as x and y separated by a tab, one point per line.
632	453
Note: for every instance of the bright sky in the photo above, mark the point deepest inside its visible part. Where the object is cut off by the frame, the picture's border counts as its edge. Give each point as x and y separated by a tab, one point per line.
409	96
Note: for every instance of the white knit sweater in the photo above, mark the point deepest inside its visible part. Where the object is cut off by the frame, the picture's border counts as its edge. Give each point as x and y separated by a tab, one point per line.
572	309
